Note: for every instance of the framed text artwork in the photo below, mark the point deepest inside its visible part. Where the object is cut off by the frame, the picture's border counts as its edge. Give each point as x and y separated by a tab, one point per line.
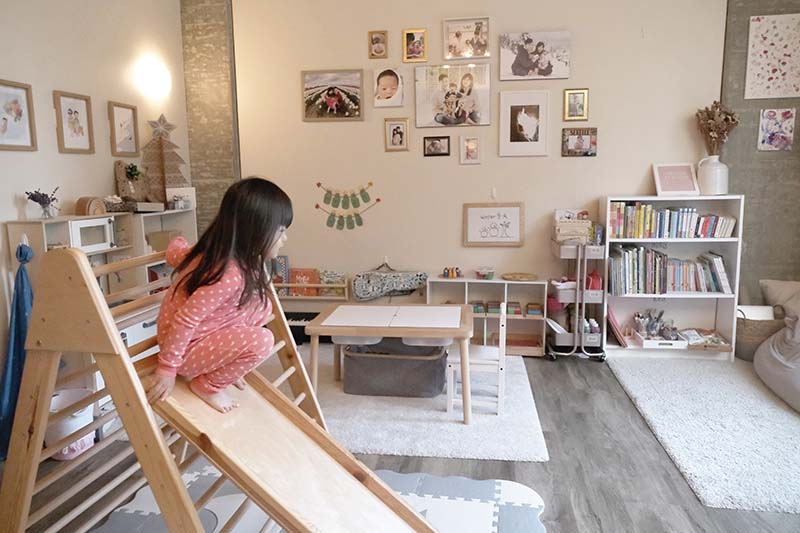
494	224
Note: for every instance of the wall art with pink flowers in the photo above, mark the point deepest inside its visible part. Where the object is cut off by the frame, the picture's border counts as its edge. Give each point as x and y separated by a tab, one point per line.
773	57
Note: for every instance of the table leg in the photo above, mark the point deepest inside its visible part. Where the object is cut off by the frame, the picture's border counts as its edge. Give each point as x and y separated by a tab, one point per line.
337	362
314	361
465	384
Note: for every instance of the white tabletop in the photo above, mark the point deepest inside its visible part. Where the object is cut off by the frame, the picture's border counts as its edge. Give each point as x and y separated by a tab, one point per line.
413	316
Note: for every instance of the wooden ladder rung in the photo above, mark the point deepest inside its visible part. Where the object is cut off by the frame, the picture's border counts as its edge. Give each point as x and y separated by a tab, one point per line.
208	494
277	348
283	377
136	305
269	526
141	289
299	399
117	266
75	375
188	461
269	319
51	450
77	406
142	346
237	515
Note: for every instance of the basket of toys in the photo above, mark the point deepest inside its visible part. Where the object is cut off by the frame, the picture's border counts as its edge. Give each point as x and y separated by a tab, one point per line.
484	273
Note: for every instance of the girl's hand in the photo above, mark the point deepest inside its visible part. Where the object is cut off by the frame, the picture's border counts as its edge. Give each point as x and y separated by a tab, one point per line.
158	387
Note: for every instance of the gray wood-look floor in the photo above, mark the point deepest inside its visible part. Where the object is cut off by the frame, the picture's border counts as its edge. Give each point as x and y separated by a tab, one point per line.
607	472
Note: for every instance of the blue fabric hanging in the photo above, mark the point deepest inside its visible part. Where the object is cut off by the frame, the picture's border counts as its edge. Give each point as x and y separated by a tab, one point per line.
15	357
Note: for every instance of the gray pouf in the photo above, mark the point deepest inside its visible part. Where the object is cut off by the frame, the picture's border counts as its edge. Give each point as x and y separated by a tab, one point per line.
777	363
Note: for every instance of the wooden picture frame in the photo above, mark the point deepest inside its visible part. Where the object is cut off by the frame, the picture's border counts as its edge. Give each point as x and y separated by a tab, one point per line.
470	151
123	121
334	95
378	44
576	104
410	53
675	179
436	146
17	122
74	123
494	224
459	39
391	143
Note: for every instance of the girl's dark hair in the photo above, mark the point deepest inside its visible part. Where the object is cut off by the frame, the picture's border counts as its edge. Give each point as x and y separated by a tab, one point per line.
244	230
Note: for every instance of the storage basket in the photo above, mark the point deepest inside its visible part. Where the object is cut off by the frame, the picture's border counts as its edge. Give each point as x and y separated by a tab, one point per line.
751	333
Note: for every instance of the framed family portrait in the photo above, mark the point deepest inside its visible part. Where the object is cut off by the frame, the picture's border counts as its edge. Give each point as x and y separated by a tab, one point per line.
579	142
395	134
124	123
675	179
469	150
17	126
436	146
523	123
74	123
494	224
535	55
388	88
576	104
332	95
452	95
415	46
465	38
378	43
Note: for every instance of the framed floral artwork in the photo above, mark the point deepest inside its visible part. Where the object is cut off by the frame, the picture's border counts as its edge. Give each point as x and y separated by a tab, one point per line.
17	125
124	123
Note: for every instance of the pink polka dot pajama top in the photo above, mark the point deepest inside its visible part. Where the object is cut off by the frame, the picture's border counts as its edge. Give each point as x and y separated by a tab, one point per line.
206	336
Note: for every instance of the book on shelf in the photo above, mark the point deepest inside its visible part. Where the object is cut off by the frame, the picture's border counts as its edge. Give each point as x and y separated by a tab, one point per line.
616	329
635	220
642	270
304	276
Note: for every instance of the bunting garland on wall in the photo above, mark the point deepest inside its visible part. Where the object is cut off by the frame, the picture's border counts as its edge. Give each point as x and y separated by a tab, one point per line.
346	206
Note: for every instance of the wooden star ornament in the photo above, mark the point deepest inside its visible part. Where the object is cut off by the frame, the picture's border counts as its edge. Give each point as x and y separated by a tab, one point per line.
161	127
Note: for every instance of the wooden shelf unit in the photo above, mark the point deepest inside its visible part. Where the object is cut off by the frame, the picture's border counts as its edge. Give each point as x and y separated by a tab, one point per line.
345	287
687	309
520	327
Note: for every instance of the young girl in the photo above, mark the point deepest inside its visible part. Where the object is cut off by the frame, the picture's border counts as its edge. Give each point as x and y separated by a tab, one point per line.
210	328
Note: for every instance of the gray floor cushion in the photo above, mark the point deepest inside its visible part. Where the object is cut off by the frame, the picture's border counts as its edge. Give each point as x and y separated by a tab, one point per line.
777	363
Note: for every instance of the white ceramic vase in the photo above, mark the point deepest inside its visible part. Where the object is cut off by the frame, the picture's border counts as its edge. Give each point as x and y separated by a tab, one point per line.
712	176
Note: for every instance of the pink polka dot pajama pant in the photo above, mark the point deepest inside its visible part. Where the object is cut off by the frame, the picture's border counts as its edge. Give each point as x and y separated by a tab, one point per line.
224	356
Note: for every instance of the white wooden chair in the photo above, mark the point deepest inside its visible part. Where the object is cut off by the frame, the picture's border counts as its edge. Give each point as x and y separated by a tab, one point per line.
482	359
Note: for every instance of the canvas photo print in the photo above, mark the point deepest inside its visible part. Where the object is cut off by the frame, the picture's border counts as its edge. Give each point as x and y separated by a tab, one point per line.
578	142
454	96
330	95
388	88
535	55
466	38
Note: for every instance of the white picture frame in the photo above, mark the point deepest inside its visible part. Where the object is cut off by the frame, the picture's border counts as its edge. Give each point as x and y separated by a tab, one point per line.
524	119
466	38
675	179
494	224
470	150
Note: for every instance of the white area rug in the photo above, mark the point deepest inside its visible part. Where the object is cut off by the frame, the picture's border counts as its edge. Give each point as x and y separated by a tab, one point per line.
735	442
421	426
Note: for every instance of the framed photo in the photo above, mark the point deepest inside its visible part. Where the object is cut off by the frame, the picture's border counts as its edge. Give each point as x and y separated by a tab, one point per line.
124	123
576	104
436	146
74	123
469	150
494	224
675	179
332	95
17	125
452	95
465	38
535	55
378	42
395	134
388	88
415	46
577	142
776	129
523	123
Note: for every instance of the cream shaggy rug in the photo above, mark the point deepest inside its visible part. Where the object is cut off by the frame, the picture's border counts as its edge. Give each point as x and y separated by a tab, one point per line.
735	442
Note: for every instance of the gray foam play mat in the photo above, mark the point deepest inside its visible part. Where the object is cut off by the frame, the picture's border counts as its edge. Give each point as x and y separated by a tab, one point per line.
450	504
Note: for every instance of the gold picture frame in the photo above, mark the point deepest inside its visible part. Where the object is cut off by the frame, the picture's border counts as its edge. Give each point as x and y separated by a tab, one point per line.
123	121
75	124
17	123
494	224
391	143
576	105
411	52
378	44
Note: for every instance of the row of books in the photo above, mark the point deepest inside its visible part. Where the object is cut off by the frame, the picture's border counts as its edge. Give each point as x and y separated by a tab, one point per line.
644	221
641	270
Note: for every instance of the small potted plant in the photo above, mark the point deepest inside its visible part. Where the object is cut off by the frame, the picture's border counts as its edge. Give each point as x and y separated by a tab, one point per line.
715	123
46	201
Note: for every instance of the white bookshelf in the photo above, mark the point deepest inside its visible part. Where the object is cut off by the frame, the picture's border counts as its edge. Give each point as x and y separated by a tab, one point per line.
468	289
707	310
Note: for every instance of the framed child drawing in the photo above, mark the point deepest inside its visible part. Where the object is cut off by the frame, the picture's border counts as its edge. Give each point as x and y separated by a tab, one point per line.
74	123
124	124
494	224
17	126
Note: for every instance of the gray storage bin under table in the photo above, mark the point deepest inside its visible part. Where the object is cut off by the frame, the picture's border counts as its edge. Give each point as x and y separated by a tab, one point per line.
391	368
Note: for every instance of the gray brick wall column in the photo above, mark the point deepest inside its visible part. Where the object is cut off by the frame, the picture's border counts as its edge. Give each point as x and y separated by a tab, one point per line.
208	65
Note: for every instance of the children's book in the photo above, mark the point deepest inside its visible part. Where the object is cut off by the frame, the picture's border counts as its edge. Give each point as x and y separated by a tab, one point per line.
281	273
304	276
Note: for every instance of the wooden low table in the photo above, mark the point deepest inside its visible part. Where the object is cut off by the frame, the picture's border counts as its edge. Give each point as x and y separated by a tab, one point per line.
419	321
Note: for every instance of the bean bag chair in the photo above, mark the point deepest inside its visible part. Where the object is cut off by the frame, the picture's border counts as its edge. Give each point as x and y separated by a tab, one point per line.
777	363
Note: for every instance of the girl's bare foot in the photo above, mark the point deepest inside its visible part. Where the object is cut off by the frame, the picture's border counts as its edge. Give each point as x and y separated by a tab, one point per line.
240	383
218	400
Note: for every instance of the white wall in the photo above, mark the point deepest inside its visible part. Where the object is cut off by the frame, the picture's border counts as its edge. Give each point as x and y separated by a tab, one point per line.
649	65
87	47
